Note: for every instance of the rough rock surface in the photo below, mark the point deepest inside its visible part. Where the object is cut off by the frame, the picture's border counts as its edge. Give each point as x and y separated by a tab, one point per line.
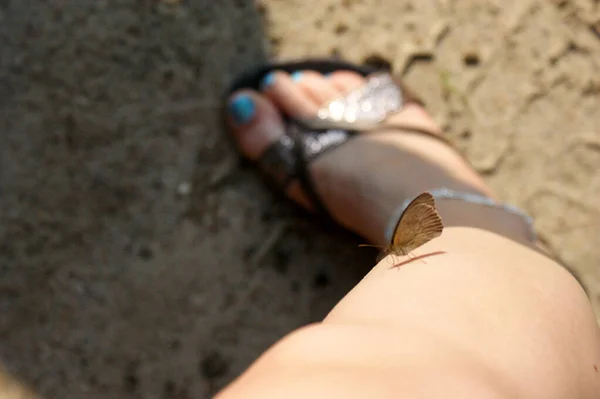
140	259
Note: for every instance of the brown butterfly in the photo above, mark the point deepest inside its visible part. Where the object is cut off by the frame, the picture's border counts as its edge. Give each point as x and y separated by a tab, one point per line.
419	223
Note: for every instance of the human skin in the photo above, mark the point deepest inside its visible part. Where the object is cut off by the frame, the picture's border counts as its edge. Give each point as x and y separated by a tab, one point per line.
487	318
483	313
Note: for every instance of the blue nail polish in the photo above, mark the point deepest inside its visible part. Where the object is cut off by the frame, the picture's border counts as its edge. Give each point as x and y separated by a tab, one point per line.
242	109
296	76
328	75
267	80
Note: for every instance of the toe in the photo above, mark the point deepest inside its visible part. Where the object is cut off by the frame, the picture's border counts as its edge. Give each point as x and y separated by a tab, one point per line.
281	88
345	81
255	122
301	94
320	89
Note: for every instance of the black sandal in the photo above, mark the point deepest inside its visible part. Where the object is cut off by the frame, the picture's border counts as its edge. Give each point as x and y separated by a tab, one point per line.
363	109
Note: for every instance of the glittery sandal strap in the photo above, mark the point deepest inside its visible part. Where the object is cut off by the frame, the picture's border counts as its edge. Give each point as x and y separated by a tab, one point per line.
288	159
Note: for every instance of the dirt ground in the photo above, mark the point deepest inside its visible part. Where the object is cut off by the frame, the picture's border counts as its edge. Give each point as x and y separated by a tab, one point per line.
140	259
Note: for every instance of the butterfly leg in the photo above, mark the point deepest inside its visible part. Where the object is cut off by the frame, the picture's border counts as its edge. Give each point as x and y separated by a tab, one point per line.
414	257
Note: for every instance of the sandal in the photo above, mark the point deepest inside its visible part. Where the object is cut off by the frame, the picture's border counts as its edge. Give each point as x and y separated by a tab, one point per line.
363	109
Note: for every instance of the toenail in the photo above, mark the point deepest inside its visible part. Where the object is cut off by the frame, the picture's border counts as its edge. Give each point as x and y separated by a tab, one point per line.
328	75
242	109
296	76
268	80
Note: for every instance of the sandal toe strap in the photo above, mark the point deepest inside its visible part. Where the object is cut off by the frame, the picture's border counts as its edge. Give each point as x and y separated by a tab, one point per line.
316	143
279	162
363	109
289	158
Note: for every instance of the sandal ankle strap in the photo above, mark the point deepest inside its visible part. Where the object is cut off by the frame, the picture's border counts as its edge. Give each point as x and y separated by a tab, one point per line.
445	193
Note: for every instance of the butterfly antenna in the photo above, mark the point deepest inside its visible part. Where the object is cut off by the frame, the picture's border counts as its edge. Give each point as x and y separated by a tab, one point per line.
372	246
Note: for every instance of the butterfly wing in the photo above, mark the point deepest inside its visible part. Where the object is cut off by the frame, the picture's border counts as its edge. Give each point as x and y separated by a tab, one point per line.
420	222
423	198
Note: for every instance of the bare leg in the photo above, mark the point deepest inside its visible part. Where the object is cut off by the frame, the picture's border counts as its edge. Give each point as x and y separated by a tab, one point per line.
490	317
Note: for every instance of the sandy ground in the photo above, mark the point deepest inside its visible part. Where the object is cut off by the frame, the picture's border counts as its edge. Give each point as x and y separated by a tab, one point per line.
141	259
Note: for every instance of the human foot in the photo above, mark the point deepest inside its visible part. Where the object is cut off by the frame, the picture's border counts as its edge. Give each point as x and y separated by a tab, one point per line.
363	181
